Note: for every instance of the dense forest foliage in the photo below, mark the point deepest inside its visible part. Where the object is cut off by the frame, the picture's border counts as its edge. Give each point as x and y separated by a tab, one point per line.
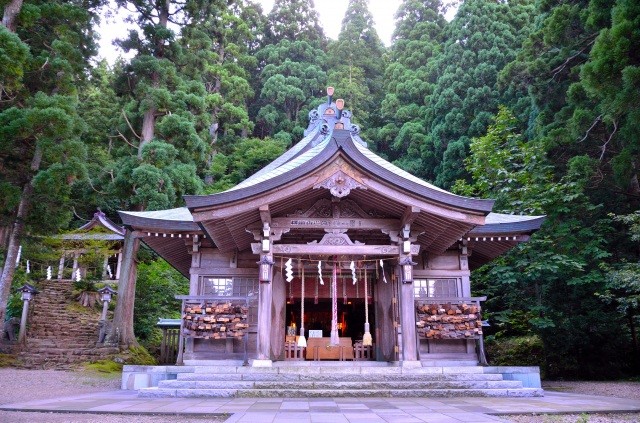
535	103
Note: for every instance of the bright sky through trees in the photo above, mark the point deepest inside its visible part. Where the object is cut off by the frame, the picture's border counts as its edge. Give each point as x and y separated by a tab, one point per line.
331	14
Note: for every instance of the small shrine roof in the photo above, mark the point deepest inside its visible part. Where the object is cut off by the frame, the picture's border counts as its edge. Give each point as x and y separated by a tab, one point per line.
99	221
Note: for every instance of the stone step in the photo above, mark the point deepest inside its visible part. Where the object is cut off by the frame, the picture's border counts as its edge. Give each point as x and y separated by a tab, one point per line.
340	385
350	368
321	393
204	377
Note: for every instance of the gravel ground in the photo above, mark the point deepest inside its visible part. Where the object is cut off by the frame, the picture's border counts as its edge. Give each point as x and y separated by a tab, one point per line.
610	389
23	385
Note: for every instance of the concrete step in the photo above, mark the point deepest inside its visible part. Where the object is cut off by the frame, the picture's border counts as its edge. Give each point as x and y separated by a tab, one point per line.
340	385
204	377
350	368
317	393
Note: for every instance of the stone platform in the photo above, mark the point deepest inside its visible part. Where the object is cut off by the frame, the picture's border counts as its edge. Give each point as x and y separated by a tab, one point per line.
229	379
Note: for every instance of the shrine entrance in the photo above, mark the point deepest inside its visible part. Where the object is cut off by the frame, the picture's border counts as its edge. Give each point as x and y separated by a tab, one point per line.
317	318
356	312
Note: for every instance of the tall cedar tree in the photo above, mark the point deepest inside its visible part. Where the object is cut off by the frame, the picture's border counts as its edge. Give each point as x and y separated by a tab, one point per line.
164	132
292	67
482	38
409	80
216	46
356	62
48	45
294	20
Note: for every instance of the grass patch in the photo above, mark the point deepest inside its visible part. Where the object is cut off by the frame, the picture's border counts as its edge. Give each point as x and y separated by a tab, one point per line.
7	360
105	368
140	356
76	307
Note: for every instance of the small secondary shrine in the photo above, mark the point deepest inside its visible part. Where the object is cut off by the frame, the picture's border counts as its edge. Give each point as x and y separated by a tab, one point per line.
330	253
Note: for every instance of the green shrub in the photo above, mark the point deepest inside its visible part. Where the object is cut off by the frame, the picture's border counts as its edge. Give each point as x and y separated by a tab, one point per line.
515	351
139	355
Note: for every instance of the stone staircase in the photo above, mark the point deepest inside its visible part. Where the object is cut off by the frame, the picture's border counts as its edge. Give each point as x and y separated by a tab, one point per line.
59	336
358	379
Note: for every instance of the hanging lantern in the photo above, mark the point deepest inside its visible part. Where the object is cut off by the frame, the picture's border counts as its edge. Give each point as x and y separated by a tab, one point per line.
265	269
407	269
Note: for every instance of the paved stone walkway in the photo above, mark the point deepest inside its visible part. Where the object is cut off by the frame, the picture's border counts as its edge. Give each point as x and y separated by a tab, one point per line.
332	410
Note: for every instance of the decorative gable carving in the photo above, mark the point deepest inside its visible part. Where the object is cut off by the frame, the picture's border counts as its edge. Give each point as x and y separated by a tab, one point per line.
340	178
335	239
340	184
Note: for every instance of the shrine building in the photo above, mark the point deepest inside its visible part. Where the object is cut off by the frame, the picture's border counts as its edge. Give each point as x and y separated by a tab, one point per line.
330	252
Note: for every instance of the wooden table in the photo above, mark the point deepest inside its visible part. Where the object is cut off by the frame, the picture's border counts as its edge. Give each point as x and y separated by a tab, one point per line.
320	349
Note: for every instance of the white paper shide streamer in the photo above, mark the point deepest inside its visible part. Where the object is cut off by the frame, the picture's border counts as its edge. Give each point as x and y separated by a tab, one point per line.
288	270
320	272
352	266
384	277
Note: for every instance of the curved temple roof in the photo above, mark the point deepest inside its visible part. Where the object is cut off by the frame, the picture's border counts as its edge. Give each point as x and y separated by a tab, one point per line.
332	140
323	139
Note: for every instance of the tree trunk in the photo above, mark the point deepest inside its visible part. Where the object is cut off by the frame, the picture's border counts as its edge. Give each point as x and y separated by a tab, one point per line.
15	237
149	118
634	334
122	327
148	127
11	11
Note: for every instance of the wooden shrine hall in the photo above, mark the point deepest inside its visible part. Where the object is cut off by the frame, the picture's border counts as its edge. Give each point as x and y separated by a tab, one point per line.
330	253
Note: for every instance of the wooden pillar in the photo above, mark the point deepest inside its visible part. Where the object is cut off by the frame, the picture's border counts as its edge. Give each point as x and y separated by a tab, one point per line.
265	299
61	267
408	322
119	265
105	263
385	339
278	315
75	265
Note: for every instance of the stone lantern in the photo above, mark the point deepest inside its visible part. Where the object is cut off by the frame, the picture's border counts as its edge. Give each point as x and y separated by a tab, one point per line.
106	294
26	294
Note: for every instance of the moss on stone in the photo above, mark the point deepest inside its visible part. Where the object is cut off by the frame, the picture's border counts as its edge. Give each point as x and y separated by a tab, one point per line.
7	360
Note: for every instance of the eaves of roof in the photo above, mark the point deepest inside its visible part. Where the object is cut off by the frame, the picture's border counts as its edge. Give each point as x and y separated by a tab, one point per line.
515	224
179	219
341	140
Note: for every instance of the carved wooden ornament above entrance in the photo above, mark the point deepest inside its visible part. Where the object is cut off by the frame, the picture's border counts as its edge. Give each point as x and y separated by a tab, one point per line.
339	178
